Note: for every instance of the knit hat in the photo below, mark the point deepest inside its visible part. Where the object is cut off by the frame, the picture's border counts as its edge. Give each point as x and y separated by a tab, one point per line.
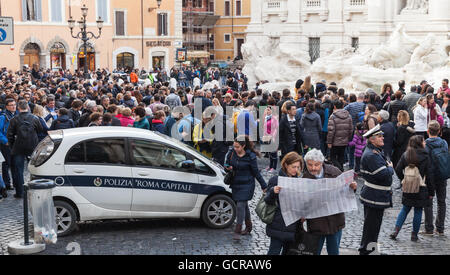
298	84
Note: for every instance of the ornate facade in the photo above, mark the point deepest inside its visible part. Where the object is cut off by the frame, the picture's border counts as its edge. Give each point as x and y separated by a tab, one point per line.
320	26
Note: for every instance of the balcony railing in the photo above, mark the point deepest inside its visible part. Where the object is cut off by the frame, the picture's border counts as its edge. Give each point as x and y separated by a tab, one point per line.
357	2
354	7
315	7
277	8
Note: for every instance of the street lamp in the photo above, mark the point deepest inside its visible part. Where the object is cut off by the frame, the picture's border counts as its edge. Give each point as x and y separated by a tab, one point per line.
159	5
84	35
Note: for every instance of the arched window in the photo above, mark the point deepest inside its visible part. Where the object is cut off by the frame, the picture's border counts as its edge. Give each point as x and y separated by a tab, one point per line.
125	60
58	56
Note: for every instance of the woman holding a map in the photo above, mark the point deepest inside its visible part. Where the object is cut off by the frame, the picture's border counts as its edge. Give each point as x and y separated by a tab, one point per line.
282	236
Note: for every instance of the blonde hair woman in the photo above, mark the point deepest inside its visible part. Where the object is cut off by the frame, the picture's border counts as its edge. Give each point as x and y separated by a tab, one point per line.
308	87
39	112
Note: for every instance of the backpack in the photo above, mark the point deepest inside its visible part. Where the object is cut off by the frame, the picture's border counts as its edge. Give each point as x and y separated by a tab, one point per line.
361	116
441	159
26	136
412	181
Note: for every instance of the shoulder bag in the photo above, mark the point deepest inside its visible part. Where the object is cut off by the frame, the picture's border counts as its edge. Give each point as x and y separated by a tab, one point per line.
229	177
265	212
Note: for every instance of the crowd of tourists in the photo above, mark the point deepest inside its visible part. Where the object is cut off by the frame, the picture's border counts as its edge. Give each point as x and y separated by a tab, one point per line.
319	129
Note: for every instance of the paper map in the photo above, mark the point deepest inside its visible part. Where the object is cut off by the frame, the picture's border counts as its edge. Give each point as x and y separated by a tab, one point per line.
310	199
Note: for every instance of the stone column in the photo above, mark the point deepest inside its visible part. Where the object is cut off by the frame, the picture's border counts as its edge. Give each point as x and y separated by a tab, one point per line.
256	12
375	31
333	37
294	7
376	11
439	10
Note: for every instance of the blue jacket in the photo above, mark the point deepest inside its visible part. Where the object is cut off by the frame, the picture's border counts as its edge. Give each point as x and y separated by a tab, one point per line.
43	134
278	229
62	122
246	123
376	172
246	169
354	109
4	124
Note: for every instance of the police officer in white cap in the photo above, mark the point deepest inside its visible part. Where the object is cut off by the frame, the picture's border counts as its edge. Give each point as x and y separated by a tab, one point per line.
376	194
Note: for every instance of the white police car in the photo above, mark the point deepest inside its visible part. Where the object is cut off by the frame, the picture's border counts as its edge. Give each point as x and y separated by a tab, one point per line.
127	173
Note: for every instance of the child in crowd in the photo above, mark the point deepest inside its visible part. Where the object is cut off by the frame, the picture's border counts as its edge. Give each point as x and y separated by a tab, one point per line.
359	142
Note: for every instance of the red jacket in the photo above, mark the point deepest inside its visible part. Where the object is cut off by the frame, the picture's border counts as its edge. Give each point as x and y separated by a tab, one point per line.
134	77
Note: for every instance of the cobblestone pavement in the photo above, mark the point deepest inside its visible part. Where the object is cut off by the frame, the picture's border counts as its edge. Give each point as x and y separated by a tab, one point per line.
191	237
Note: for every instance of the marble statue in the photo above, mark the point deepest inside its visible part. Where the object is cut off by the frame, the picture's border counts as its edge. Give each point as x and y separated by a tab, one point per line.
402	57
416	6
272	61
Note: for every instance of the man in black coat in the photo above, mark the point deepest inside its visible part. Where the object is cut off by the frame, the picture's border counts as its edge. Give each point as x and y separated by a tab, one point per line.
290	132
232	84
23	139
286	97
394	107
388	129
220	144
91	107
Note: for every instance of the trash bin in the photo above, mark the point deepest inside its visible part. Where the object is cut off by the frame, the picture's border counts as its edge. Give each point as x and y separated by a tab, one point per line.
43	211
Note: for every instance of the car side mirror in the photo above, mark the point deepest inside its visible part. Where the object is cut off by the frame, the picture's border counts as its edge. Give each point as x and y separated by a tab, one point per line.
188	165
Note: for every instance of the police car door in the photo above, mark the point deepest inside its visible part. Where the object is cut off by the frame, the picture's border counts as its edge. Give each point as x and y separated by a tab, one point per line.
160	184
98	170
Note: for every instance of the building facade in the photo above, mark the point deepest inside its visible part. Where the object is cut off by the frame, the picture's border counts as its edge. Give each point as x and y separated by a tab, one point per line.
198	34
135	33
229	31
320	26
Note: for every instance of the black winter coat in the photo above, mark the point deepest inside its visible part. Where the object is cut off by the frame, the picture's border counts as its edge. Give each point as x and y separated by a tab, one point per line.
394	108
420	199
62	122
220	147
389	134
402	136
75	116
278	229
286	143
13	129
85	119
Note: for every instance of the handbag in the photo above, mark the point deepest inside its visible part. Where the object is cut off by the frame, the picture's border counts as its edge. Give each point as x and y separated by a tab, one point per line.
266	212
305	243
229	177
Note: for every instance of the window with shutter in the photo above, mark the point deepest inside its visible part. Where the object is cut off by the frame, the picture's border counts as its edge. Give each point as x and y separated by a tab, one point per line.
227	8
102	10
31	10
238	8
56	8
120	23
162	24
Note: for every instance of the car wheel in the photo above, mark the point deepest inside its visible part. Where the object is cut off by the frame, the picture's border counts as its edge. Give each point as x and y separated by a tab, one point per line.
66	218
219	212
